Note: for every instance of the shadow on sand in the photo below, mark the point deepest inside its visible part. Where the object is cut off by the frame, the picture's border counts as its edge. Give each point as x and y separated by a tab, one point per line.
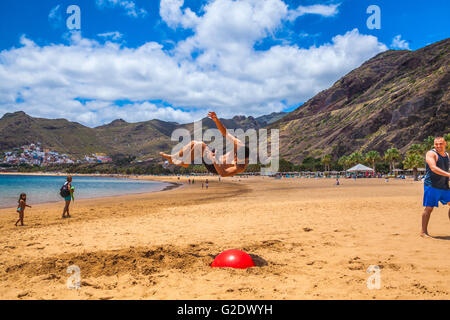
442	237
259	262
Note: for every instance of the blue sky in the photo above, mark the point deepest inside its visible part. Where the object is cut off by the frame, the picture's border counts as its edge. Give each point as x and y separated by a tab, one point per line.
174	60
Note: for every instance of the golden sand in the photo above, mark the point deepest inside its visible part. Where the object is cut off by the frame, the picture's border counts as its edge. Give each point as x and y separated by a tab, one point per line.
309	238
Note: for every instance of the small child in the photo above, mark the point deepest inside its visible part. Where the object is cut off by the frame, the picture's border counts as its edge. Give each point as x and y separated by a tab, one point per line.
21	208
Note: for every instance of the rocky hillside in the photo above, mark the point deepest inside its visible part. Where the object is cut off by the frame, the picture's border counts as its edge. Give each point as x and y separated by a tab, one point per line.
17	129
395	99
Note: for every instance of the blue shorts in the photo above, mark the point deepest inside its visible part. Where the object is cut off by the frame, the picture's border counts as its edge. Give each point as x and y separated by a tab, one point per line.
68	198
432	196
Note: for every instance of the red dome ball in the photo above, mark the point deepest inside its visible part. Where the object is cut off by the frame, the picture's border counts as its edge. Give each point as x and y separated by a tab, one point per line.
233	259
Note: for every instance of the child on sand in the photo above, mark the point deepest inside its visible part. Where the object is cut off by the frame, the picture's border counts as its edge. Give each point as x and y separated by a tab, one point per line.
21	208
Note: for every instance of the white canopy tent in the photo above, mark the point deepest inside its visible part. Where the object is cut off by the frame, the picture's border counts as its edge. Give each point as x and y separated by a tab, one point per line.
359	167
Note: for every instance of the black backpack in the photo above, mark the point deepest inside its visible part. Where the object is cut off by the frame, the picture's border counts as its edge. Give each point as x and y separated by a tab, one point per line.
64	191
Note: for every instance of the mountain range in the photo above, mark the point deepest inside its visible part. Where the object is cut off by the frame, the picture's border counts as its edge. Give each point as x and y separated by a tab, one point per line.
397	98
142	139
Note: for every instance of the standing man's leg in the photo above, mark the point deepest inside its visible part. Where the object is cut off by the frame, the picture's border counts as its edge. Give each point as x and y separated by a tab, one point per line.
66	209
68	206
425	219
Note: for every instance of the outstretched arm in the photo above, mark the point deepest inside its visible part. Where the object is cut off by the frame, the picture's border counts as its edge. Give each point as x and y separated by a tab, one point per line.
223	130
431	160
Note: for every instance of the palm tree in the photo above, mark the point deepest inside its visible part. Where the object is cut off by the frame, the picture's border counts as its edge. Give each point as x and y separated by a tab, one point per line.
355	158
413	161
428	143
417	148
392	155
372	157
447	138
343	161
326	160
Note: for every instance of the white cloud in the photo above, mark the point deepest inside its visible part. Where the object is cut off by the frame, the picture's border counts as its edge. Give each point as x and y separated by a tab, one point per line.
319	9
171	13
398	43
115	35
54	17
226	75
128	5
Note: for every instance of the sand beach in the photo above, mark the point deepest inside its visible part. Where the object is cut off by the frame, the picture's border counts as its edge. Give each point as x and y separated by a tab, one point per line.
309	238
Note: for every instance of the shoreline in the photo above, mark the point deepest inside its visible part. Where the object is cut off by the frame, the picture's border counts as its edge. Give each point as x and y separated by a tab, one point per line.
39	173
171	186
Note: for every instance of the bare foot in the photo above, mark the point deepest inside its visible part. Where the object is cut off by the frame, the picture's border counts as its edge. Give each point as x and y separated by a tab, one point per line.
425	235
167	157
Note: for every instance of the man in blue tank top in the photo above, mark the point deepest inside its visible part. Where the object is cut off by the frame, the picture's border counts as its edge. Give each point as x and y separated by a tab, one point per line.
436	187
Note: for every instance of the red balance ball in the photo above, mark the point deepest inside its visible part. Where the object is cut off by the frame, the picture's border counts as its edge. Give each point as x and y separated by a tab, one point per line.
233	259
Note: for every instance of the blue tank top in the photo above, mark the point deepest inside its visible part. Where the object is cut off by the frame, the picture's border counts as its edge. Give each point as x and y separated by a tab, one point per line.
436	180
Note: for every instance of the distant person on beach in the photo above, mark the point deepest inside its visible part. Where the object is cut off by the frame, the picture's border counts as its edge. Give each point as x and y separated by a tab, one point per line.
436	184
22	203
223	166
66	193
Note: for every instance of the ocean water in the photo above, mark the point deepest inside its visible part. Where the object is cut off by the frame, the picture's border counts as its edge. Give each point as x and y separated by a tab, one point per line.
41	189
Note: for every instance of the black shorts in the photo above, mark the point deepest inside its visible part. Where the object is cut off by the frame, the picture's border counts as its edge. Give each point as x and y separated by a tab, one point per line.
210	167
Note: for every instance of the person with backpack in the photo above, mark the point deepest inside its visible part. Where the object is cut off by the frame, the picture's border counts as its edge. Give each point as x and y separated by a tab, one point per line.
66	192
